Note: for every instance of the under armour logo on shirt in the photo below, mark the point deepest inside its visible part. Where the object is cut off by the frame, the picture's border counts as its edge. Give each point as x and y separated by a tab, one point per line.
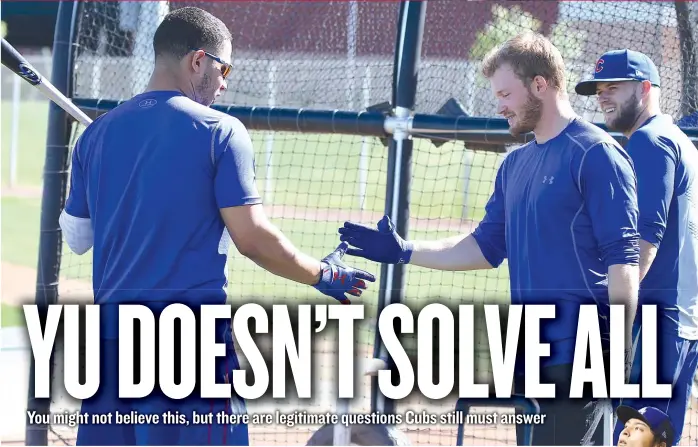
548	180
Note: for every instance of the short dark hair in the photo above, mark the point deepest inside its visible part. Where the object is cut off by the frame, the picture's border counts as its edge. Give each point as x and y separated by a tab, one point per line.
529	54
189	28
658	440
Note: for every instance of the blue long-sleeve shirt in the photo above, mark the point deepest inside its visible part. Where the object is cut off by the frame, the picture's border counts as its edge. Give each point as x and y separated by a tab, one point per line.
562	212
666	162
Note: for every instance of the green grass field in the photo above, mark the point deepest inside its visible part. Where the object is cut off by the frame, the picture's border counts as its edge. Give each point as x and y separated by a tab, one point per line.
31	142
11	316
309	172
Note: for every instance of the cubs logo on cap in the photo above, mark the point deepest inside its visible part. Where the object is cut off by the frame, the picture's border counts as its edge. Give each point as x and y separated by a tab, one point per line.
618	66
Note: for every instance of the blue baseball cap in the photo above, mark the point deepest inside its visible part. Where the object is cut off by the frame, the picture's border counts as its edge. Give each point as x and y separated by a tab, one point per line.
657	420
620	65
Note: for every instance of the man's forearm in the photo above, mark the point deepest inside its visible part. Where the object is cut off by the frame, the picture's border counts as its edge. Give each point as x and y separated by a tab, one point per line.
275	253
457	253
647	255
623	284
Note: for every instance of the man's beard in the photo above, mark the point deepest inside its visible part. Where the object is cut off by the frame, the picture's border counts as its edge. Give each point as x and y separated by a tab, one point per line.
627	115
529	117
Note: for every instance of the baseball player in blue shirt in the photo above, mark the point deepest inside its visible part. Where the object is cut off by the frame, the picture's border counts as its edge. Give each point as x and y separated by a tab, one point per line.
627	86
160	187
563	212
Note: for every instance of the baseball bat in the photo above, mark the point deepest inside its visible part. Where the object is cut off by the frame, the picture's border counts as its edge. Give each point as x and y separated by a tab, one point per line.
12	59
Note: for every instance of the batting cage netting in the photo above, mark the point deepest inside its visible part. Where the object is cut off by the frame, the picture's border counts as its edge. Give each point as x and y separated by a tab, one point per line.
340	55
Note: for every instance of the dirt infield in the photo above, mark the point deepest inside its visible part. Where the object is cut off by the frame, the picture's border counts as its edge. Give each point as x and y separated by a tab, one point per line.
19	286
339	215
310	213
26	192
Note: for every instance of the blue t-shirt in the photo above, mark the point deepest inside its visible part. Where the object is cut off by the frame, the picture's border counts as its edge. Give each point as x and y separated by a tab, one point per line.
562	212
152	176
666	162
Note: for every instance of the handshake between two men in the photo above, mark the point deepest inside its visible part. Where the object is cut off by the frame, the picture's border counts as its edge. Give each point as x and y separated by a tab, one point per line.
381	244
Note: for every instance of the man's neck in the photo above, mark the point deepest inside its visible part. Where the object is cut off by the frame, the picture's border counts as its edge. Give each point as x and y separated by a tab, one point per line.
162	79
555	117
646	114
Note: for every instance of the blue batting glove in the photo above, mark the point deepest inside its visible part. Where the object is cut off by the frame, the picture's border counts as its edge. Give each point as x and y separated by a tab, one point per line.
337	278
380	245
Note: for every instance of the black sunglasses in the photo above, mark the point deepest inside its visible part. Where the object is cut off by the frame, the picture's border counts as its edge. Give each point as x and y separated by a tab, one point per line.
225	67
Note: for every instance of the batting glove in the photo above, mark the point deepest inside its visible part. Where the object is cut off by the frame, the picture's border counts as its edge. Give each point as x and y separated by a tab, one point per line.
337	278
382	245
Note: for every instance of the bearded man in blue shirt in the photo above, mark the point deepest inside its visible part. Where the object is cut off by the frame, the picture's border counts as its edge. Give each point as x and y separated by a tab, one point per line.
564	214
628	90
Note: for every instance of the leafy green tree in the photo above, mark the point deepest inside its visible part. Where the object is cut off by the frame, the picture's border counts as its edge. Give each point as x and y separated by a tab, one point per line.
506	23
509	22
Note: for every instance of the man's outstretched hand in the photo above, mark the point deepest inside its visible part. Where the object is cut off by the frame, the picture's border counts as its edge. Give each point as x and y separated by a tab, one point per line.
381	244
337	278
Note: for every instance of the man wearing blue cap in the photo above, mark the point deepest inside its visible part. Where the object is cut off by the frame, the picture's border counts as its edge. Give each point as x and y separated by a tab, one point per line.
646	427
627	86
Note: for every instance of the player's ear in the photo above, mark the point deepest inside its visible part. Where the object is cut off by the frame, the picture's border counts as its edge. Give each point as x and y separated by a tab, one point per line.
539	85
196	60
